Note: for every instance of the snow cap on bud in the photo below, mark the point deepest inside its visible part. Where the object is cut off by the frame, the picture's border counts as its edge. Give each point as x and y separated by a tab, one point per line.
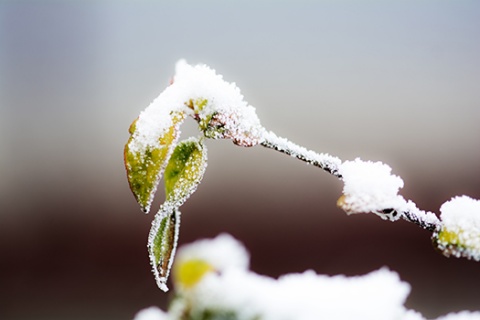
459	235
370	187
217	105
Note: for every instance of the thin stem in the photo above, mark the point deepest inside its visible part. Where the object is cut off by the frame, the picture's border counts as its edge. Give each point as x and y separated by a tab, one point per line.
431	225
324	161
330	164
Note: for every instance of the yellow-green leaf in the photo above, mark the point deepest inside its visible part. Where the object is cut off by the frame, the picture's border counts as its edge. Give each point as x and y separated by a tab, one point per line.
145	163
185	170
182	175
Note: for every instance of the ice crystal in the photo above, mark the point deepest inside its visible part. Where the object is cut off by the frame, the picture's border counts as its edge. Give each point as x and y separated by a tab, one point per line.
460	233
370	187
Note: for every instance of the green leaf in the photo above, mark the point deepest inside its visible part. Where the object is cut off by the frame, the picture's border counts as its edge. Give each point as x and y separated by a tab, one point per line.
162	242
145	164
183	173
185	170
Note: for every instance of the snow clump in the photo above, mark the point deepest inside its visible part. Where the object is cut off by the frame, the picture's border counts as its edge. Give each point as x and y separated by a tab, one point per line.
370	187
460	234
201	93
230	291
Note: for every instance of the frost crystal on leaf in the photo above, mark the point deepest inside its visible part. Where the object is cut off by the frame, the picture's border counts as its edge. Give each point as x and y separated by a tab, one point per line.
183	174
370	187
145	161
162	242
185	170
460	232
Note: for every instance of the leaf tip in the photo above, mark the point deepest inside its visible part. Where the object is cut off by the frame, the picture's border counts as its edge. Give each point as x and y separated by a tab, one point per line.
162	284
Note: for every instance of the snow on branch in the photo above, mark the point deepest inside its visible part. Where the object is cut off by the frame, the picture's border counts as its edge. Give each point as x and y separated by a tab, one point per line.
370	187
323	161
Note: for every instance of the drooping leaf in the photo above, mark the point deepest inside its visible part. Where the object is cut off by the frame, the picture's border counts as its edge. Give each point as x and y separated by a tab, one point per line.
183	173
145	163
162	242
185	170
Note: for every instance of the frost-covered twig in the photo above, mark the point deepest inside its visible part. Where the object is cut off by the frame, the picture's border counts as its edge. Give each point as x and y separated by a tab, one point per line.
370	187
333	165
221	112
427	221
324	161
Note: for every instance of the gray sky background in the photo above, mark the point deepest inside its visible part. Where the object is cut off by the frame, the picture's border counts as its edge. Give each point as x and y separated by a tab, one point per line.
395	81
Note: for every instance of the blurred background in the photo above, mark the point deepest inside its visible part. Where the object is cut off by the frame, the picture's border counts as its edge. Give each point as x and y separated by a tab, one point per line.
393	81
